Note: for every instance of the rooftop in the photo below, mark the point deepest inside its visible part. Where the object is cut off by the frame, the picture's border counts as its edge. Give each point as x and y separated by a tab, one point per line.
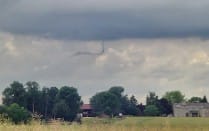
86	107
191	105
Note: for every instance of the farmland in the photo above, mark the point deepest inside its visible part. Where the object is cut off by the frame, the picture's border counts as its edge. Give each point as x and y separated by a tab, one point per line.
125	124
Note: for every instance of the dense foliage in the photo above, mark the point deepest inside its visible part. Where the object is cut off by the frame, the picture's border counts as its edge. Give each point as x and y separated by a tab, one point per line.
15	94
105	103
20	101
44	101
156	106
113	102
151	110
15	113
69	99
174	97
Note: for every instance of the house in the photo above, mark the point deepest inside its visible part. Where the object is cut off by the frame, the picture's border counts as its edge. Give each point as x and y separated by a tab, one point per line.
87	110
191	109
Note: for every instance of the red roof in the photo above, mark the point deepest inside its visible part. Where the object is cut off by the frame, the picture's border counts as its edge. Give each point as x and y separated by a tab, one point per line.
86	107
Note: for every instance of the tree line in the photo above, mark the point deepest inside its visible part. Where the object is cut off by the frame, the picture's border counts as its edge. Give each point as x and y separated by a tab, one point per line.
113	101
21	102
43	102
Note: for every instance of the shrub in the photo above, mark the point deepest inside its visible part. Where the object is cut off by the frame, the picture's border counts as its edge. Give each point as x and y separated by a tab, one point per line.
18	114
151	110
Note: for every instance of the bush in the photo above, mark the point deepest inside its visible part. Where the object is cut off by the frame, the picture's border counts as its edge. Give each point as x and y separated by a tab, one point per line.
3	114
18	114
151	110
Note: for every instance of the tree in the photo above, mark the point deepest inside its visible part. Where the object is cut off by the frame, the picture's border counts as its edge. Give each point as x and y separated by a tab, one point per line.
124	105
48	100
113	101
151	99
141	108
151	110
133	109
105	103
61	110
33	95
133	100
18	114
174	97
117	90
164	107
43	105
204	99
52	93
129	106
71	97
15	94
3	110
195	99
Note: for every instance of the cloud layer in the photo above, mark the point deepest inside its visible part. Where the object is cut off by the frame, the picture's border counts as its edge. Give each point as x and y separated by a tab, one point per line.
155	45
105	20
140	65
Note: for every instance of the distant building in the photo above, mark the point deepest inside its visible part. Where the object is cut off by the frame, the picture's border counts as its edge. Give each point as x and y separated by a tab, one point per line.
87	110
191	110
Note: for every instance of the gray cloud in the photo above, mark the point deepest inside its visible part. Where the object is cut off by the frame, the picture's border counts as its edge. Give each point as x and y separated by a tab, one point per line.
146	44
141	66
105	20
90	53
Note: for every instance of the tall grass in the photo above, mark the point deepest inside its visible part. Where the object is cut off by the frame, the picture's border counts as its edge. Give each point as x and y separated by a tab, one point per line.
126	124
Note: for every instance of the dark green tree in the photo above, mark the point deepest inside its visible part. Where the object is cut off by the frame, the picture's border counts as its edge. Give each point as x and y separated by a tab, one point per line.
151	110
125	102
117	90
141	108
3	109
133	106
15	94
151	99
129	106
105	103
195	99
33	96
52	93
48	98
44	103
165	107
71	97
133	100
204	99
61	110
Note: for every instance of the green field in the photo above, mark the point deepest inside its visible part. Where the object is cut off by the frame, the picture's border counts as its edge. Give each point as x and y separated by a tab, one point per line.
125	124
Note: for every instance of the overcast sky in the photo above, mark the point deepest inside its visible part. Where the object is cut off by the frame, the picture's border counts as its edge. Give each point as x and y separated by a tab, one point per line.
155	45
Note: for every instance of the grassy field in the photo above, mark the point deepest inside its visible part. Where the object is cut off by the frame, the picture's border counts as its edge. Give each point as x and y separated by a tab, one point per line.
126	124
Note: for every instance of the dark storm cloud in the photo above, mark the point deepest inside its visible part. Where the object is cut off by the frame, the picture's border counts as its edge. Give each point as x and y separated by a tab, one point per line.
94	20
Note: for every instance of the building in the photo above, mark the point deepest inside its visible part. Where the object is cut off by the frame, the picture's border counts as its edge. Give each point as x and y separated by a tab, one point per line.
191	110
87	110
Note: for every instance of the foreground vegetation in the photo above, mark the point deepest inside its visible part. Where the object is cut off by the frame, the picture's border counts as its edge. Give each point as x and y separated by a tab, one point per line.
125	124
